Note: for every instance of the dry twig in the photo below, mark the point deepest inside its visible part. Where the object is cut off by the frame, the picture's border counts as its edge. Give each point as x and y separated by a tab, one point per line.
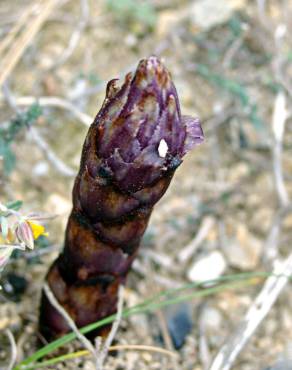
231	52
160	259
15	52
159	279
56	162
103	351
75	37
17	27
162	321
255	315
204	350
279	120
139	347
262	10
87	344
99	354
202	233
272	241
13	349
55	101
128	347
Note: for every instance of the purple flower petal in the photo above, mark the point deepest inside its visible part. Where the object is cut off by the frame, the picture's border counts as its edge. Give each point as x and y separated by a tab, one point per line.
133	121
194	133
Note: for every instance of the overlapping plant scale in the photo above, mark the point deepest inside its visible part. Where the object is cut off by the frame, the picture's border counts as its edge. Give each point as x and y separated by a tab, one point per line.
131	152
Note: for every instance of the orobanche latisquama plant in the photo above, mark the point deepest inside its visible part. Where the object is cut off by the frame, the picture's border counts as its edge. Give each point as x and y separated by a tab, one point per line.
130	154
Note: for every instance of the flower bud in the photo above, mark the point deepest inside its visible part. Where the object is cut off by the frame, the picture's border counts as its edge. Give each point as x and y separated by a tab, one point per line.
133	122
24	234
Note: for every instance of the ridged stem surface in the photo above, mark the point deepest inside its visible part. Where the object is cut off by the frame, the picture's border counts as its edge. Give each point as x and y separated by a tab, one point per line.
130	154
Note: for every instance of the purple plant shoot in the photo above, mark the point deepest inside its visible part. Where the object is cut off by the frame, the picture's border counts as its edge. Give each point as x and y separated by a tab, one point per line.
131	151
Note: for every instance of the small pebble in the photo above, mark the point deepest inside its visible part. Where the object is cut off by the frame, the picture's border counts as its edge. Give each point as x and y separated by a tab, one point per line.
211	318
14	286
243	251
179	323
40	169
207	268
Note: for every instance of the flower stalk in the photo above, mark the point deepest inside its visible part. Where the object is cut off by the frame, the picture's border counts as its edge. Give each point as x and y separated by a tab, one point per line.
130	154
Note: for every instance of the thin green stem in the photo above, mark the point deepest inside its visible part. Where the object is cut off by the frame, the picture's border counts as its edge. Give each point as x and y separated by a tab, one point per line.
146	306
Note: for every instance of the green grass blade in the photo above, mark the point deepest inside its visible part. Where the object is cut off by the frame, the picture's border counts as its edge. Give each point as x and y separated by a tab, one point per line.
146	306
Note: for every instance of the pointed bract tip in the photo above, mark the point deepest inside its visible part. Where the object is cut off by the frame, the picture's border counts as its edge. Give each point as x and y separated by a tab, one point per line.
136	118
